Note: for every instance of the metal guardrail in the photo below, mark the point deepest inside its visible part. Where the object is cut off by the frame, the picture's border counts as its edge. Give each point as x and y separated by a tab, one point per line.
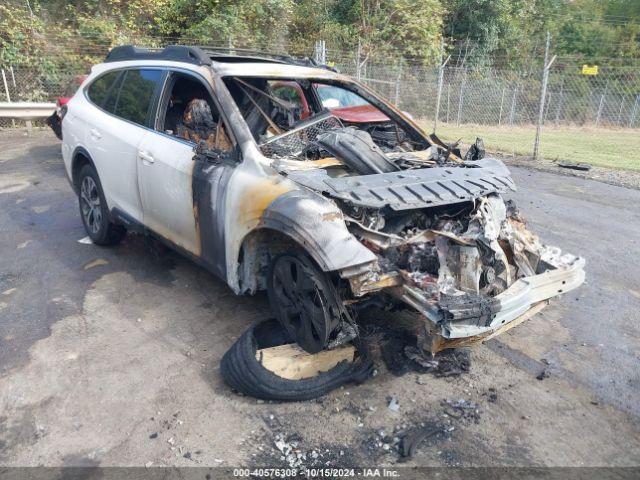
26	110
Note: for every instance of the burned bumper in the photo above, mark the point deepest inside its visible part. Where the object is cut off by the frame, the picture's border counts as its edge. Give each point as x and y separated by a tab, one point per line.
481	319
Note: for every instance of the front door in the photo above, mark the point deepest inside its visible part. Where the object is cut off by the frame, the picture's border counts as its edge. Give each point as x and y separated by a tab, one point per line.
173	184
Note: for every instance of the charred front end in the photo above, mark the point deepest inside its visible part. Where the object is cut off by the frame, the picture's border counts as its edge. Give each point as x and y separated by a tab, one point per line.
440	238
447	243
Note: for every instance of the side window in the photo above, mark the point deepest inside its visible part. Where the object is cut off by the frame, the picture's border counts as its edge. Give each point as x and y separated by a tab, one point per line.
103	88
112	98
136	95
189	113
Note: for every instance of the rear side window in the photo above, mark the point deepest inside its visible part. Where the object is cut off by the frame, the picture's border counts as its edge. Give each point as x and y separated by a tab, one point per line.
137	94
103	88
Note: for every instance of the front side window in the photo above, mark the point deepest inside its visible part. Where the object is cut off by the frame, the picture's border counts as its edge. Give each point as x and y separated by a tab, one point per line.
103	89
190	113
136	95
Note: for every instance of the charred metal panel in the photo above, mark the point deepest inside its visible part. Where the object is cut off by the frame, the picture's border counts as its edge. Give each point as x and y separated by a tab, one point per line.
428	187
209	198
318	226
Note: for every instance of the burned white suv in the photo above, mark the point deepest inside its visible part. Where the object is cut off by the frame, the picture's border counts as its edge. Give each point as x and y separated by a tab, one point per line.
280	174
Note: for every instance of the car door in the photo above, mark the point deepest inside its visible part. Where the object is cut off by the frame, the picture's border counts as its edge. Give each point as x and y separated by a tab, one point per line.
166	171
115	132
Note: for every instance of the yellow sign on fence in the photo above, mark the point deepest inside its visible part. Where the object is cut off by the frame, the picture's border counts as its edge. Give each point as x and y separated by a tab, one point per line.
589	70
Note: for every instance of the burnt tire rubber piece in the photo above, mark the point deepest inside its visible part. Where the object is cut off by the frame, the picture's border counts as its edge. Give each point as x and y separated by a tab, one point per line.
243	372
94	212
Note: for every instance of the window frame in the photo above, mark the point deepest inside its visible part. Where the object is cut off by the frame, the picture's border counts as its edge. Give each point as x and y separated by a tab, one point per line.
153	106
153	102
163	101
116	84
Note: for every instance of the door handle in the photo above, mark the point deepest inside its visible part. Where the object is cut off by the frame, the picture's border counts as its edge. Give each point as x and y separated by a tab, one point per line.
95	134
146	158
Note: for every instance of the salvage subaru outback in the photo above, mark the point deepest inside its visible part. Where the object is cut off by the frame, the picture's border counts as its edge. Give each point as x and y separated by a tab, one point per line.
238	162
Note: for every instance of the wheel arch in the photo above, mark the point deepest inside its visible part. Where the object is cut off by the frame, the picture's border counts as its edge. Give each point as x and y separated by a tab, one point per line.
260	246
79	159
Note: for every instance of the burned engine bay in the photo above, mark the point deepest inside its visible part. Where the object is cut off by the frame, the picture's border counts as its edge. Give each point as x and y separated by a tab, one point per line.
447	244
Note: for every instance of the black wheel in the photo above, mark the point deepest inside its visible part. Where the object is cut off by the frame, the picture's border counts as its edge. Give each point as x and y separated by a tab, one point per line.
304	301
94	211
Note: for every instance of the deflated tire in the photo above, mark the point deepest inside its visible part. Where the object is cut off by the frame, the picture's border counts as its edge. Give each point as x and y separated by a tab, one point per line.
243	372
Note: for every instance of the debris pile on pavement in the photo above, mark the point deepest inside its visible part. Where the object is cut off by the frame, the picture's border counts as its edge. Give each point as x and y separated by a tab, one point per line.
448	363
296	457
462	409
543	374
403	440
289	450
401	355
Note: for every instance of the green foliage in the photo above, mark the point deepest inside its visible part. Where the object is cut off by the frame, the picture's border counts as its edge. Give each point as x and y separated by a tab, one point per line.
21	36
248	23
499	33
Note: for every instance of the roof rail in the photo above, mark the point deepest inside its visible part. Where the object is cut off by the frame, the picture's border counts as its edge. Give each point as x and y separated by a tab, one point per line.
226	54
176	53
204	55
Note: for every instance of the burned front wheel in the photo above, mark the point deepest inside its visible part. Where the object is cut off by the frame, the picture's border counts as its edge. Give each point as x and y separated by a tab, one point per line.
304	301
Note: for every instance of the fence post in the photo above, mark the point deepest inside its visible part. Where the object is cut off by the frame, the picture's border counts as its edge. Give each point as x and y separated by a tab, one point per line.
448	99
604	94
320	53
504	89
512	112
461	97
559	107
546	111
622	102
6	87
439	95
543	93
358	66
633	112
397	92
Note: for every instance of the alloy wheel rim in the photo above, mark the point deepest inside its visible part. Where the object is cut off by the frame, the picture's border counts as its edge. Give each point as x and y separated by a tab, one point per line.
90	204
303	308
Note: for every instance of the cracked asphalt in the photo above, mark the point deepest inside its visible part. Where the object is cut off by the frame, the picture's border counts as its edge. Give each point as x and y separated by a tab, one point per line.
109	356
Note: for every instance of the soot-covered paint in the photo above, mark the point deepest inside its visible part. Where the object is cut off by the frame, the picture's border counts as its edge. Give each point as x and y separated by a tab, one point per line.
209	187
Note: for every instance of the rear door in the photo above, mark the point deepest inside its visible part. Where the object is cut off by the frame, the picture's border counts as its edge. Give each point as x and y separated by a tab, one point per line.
115	133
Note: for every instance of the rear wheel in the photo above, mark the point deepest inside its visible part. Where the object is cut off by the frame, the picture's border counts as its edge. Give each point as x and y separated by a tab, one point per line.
94	211
304	301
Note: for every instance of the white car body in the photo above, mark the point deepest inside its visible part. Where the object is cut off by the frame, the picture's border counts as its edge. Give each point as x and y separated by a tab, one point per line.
222	211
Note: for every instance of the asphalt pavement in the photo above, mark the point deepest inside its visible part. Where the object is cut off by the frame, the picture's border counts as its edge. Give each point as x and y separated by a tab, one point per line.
99	346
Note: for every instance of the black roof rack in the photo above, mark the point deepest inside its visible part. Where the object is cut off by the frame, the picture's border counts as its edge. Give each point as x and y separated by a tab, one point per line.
203	55
230	54
176	53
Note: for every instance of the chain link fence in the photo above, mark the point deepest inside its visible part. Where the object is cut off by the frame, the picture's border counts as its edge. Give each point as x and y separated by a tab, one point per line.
505	97
460	95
